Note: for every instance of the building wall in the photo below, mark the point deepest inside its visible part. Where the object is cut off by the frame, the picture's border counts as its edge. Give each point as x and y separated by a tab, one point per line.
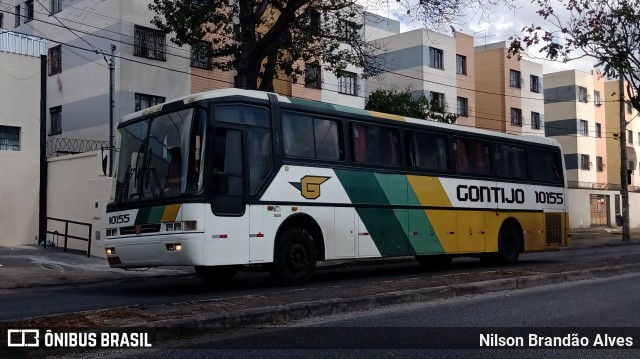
466	84
20	174
490	90
564	112
78	191
376	27
82	88
599	118
580	207
531	101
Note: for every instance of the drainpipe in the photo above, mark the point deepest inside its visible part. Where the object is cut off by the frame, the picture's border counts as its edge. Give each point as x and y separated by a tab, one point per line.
42	210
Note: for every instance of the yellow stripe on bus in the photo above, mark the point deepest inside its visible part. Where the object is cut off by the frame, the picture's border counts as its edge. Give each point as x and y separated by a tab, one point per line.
388	116
171	212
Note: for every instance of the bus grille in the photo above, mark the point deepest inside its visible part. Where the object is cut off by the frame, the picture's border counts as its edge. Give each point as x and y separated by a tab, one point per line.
554	228
144	228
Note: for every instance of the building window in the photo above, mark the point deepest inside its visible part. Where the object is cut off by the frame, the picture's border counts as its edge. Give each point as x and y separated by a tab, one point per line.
436	58
1	20
312	19
17	16
149	43
461	65
9	138
630	137
535	83
514	78
28	10
516	117
598	130
582	94
535	120
200	55
145	101
347	83
56	6
55	127
312	76
596	98
438	100
629	107
599	164
584	162
55	60
463	107
584	128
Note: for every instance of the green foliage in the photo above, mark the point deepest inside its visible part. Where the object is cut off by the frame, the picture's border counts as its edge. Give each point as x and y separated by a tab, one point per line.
405	104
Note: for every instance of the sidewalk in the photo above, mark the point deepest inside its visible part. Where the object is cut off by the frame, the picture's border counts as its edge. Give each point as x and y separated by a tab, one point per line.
35	266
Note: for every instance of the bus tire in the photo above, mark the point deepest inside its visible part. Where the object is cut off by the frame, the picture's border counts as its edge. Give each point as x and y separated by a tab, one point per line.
294	257
434	261
509	245
216	274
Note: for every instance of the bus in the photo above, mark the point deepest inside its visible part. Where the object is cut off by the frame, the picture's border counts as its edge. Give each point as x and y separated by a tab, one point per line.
230	180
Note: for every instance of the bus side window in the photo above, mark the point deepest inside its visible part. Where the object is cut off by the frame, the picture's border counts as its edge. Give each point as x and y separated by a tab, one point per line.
227	162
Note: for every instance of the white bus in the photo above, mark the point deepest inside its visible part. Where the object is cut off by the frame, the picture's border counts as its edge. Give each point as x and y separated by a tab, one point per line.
230	178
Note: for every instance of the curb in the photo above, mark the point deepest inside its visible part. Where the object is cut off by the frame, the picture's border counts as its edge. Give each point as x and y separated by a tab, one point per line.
164	330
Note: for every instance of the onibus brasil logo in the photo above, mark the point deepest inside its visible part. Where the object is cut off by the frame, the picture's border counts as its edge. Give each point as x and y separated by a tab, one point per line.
309	186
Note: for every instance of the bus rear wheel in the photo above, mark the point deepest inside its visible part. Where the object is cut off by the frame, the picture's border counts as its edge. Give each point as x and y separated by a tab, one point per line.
294	258
509	247
216	275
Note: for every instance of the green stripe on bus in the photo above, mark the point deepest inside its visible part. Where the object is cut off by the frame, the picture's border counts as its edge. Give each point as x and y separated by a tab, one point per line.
415	223
155	216
354	110
316	104
384	227
143	215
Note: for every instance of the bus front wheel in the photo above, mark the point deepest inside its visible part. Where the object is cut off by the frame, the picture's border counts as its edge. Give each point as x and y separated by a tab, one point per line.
294	258
216	275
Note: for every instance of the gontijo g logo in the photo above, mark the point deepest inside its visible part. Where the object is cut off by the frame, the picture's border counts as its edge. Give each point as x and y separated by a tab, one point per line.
309	186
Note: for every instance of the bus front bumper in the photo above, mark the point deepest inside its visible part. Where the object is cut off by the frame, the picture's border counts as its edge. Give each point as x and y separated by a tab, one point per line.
138	252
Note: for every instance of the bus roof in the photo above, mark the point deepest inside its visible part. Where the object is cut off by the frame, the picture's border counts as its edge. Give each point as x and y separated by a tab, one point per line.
327	107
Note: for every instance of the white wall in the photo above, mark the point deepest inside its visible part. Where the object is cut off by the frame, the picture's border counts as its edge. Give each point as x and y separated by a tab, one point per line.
531	101
76	184
20	174
580	209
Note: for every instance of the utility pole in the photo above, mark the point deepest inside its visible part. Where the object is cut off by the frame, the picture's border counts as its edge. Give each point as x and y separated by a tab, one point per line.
624	184
112	81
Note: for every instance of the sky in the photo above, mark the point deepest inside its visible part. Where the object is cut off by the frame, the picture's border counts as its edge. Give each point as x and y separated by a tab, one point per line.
500	24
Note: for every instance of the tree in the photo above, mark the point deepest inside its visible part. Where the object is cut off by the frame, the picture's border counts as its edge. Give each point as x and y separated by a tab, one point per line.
405	104
263	39
607	31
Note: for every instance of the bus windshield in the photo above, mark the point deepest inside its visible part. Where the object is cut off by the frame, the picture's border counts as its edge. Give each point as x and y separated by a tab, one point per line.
161	156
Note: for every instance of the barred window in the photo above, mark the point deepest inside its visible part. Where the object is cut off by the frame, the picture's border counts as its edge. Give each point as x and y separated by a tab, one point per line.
347	83
584	128
461	65
596	98
630	137
28	11
149	43
516	117
55	127
55	6
55	60
598	130
436	58
312	76
200	56
535	120
599	164
9	138
514	78
17	16
582	94
584	162
535	83
437	99
463	106
145	101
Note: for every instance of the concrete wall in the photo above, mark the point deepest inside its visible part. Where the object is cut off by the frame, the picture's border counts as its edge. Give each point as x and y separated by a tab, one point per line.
466	84
20	174
580	209
78	191
531	101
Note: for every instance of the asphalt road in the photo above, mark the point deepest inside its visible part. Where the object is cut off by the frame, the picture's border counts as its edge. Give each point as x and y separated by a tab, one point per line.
149	291
452	327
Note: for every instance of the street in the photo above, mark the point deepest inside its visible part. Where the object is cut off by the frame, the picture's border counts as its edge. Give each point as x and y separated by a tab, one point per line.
325	284
567	308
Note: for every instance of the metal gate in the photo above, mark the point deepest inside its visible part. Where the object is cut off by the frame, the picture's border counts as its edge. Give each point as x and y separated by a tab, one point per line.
599	210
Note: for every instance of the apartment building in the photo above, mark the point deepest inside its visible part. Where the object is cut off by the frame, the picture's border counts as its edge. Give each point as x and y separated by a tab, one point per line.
612	98
509	96
440	66
20	86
